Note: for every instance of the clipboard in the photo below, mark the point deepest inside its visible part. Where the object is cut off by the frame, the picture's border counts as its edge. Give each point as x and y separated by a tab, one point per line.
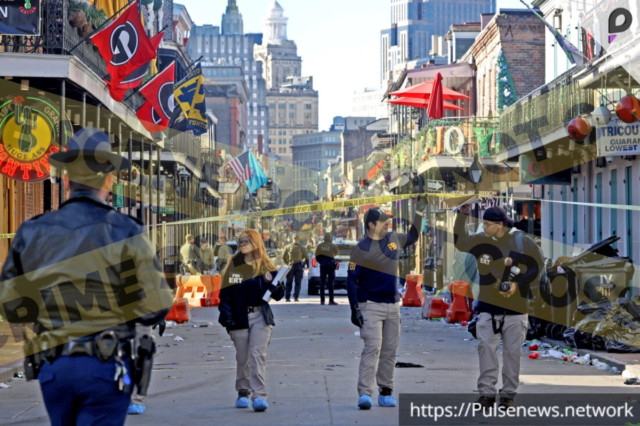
279	279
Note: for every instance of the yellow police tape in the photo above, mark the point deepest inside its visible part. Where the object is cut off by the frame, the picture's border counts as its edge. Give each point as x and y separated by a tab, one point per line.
126	285
383	199
7	236
332	205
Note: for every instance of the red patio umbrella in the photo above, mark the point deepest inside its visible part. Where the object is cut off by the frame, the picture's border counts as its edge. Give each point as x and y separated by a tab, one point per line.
423	103
424	90
436	101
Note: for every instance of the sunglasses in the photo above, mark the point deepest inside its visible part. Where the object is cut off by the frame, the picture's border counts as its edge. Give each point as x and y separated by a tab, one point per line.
244	242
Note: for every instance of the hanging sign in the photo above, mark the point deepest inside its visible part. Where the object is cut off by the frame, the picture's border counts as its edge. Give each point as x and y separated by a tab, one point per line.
20	17
28	137
618	139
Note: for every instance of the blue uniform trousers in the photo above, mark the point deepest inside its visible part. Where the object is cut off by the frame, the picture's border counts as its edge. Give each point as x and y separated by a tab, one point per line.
81	390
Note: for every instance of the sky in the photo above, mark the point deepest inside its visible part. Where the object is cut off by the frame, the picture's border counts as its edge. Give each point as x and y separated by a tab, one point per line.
338	40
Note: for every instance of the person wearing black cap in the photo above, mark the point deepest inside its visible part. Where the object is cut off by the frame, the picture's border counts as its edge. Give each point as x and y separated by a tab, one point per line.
84	358
507	261
375	303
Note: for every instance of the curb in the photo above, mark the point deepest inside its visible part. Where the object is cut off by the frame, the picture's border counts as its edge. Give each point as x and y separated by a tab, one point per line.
9	370
602	356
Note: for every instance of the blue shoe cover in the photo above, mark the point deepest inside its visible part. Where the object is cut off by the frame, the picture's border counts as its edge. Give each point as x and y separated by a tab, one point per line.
136	409
260	404
242	402
365	402
387	401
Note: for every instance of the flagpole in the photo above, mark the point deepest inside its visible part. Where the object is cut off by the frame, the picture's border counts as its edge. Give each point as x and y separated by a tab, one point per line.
543	20
85	38
193	64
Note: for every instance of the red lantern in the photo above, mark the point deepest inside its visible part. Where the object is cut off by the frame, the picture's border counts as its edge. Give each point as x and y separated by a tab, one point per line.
579	129
628	109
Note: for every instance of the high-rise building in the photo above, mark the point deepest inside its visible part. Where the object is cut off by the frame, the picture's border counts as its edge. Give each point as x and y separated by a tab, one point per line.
292	101
415	22
277	52
226	47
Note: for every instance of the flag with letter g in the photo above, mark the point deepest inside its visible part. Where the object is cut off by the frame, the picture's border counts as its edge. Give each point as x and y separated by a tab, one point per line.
124	44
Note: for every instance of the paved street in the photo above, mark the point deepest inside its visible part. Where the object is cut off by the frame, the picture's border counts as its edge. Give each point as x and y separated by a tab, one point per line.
313	364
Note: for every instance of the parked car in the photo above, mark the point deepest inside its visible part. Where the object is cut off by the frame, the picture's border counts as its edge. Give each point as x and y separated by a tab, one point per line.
340	282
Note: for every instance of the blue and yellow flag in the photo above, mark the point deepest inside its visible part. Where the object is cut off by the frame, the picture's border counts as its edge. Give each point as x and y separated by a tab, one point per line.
191	98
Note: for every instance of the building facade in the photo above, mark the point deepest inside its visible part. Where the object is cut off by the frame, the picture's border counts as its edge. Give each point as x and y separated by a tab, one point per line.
312	154
278	54
414	22
228	46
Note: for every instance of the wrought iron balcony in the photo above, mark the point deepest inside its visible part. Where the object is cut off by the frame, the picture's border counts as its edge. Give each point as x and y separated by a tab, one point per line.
58	37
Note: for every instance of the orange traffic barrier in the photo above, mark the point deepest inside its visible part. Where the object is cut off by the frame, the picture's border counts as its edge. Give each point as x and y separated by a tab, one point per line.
437	308
200	290
461	302
413	297
180	311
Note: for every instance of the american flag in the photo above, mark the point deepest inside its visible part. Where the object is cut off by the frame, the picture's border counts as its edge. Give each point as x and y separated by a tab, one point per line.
241	168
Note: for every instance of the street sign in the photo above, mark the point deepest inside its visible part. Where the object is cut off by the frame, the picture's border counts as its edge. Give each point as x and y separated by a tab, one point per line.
117	196
163	210
436	185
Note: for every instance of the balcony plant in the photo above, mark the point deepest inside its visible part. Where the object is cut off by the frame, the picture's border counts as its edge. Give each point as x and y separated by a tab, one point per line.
85	17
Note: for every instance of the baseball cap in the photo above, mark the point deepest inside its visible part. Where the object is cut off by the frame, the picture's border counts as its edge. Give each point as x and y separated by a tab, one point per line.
497	214
375	215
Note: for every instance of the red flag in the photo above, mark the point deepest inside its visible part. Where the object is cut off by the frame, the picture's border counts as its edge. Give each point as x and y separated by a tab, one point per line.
124	44
150	119
159	92
436	101
133	80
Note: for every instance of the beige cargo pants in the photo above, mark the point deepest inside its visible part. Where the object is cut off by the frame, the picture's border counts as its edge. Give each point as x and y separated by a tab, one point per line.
251	355
381	335
513	334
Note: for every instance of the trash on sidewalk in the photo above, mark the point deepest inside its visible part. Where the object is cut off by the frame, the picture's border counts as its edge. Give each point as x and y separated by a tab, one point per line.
173	377
178	339
18	375
408	365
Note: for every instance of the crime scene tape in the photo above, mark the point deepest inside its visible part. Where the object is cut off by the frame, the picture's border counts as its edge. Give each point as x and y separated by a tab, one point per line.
332	205
7	236
358	202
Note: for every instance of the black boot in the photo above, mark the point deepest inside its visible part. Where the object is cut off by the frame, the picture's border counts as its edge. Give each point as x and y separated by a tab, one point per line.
486	401
506	403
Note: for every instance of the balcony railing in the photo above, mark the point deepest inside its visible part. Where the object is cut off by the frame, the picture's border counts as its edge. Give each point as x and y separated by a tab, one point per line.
58	37
548	108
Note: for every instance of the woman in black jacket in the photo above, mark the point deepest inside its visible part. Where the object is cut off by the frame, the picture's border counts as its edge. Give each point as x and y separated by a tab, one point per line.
247	281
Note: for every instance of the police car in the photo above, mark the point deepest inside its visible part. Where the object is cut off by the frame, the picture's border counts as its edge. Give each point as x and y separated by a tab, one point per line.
340	282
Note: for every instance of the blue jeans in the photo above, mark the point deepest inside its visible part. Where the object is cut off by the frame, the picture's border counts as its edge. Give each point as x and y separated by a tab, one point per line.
328	276
81	390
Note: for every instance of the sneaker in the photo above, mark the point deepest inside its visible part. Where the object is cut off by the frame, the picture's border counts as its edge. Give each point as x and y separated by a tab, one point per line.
506	403
136	409
288	300
260	404
486	401
333	303
243	399
297	300
365	402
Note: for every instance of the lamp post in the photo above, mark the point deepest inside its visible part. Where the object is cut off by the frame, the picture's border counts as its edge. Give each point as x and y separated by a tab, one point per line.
475	171
183	175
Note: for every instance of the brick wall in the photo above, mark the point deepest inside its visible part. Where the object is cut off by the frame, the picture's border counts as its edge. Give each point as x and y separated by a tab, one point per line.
521	36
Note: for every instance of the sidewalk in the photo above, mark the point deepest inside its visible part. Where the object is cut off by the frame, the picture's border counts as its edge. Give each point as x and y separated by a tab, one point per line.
312	372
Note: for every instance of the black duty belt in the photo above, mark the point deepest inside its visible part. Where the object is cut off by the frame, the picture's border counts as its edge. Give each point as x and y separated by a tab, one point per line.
253	309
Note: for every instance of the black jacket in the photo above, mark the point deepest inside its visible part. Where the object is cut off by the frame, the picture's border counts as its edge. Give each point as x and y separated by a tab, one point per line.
240	290
83	269
491	254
